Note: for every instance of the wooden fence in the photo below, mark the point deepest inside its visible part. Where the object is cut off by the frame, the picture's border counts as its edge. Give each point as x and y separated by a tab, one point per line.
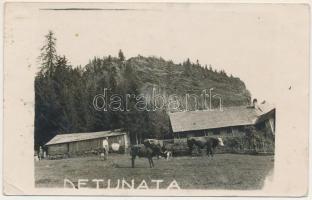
232	144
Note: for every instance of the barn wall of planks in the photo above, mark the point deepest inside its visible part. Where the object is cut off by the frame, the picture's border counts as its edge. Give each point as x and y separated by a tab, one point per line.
86	146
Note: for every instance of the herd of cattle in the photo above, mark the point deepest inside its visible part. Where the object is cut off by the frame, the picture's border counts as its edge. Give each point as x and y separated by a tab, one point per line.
151	148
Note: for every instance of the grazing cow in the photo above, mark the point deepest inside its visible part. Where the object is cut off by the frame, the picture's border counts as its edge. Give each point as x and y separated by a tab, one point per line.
201	142
147	150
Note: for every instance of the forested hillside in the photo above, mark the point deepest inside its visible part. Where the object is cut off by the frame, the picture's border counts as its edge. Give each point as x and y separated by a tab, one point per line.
64	94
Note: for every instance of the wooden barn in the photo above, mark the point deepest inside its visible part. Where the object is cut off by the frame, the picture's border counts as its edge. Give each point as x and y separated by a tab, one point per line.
229	122
82	143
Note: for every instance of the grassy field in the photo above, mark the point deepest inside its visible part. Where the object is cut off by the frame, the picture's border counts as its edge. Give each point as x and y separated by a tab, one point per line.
224	171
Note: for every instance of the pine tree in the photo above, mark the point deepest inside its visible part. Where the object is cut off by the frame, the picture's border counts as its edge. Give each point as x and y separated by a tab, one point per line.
48	54
121	55
197	63
187	67
109	59
112	78
169	73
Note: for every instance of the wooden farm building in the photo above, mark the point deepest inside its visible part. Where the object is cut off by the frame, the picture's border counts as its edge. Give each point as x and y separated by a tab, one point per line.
81	143
229	122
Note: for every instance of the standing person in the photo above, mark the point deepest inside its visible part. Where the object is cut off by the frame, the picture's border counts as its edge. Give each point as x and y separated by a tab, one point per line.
40	153
105	147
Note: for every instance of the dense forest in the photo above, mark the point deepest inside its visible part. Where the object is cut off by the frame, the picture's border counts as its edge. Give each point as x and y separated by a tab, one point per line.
64	94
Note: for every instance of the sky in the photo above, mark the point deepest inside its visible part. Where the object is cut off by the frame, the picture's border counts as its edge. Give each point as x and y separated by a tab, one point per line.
252	42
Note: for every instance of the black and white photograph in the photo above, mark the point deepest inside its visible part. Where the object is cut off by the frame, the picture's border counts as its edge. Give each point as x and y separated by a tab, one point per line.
165	97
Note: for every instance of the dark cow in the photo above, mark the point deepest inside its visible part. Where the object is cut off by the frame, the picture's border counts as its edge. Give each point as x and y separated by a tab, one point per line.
147	150
202	142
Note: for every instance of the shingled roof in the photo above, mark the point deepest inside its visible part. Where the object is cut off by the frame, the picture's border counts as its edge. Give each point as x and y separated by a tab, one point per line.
201	120
74	137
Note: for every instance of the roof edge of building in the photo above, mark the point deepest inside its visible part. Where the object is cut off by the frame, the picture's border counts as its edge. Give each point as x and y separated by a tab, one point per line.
113	133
